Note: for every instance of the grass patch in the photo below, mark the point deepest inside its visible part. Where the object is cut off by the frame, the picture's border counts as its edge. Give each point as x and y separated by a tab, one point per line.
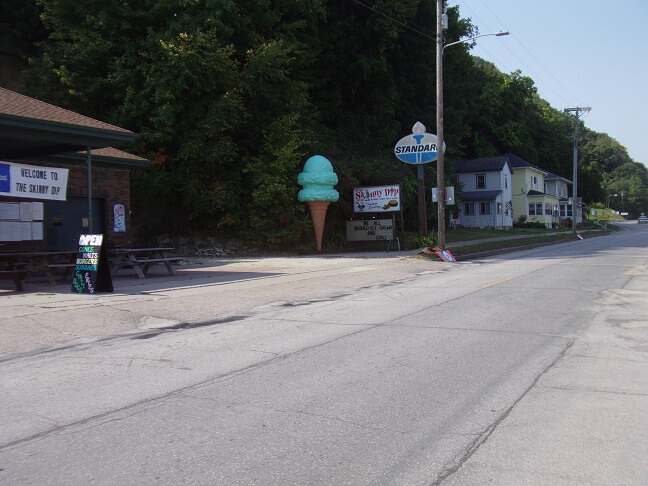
468	234
522	242
518	244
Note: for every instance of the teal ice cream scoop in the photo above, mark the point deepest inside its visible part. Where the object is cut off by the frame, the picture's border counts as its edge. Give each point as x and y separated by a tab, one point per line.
318	179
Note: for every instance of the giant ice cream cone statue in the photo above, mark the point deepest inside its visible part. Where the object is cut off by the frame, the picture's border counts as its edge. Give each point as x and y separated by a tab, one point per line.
318	179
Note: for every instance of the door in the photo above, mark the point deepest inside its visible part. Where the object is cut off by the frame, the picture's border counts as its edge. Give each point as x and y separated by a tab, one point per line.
66	220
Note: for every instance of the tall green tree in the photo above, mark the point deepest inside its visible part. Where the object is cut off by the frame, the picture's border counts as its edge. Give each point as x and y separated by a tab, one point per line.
230	97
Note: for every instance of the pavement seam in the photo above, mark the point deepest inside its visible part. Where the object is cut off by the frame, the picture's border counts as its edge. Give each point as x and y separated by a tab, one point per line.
474	446
154	401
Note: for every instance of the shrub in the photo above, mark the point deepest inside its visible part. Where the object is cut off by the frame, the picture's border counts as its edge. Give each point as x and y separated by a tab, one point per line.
529	224
429	240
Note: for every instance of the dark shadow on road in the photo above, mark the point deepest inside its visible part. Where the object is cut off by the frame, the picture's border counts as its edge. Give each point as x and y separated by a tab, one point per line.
158	279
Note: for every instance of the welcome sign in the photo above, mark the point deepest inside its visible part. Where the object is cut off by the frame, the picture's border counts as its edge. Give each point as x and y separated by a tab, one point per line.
419	147
34	182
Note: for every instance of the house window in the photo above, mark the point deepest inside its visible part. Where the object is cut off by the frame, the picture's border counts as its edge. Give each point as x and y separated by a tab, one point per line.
484	208
499	208
563	211
469	209
505	182
481	181
548	209
538	209
531	209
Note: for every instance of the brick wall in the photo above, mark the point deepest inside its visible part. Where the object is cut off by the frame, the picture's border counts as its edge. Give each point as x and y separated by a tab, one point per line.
114	186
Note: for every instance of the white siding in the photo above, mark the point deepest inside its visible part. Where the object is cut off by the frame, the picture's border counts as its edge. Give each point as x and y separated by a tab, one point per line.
495	181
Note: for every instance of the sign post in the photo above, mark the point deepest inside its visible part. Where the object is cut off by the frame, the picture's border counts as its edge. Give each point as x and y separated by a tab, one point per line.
91	272
379	199
418	148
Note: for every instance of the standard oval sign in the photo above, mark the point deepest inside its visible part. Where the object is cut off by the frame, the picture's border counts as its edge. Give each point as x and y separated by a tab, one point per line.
419	147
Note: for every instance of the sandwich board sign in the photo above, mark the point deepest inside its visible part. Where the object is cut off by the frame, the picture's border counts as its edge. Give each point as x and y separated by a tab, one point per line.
91	270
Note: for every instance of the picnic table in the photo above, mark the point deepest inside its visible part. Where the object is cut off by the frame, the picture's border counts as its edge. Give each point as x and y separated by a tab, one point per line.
141	259
18	266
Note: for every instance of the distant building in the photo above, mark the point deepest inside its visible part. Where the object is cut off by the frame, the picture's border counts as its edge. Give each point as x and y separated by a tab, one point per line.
40	139
486	198
529	196
496	191
559	186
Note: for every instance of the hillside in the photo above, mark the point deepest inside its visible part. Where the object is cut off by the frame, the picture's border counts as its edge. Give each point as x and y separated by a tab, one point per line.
230	98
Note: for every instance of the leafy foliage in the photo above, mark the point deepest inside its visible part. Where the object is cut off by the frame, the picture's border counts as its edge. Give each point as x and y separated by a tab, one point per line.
231	97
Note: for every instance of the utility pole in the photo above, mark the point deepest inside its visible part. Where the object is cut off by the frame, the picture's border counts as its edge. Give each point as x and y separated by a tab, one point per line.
442	23
439	120
578	110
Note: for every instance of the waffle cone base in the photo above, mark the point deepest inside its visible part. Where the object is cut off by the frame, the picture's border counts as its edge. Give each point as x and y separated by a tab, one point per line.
318	213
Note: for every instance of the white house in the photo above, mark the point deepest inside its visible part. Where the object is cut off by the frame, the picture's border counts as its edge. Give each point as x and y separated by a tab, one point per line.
486	198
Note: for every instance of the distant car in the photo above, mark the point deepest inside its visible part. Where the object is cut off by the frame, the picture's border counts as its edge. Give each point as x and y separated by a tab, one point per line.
642	219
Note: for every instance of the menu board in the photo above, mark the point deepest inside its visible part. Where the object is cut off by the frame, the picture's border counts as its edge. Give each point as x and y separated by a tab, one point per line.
91	272
370	230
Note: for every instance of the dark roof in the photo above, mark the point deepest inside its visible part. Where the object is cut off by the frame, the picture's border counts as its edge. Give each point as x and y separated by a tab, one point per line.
479	196
102	157
533	192
494	164
519	163
488	164
12	103
551	176
30	127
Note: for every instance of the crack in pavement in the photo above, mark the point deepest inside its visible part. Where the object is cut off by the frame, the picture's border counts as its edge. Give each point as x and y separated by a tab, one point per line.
157	400
474	446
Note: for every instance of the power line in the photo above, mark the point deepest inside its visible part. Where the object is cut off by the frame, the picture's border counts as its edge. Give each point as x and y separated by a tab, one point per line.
513	116
530	53
539	79
404	24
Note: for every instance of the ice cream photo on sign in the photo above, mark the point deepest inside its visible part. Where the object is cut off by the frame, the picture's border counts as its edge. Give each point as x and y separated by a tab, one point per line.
318	180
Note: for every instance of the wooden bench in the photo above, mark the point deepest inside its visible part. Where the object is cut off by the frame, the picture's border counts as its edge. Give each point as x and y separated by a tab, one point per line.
158	260
168	261
141	259
68	267
16	275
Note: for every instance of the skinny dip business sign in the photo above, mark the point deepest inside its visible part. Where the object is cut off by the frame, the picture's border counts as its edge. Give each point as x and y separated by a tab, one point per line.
419	147
35	182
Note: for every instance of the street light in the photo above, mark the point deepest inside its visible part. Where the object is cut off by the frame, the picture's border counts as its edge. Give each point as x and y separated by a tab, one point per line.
470	39
439	93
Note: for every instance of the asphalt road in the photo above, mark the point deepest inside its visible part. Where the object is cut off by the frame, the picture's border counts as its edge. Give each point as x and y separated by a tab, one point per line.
525	368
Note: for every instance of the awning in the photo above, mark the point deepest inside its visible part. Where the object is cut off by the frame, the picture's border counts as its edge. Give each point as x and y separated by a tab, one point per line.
108	157
29	127
479	196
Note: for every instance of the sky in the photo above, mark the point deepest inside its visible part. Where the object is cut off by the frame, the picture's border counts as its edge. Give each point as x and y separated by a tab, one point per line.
580	53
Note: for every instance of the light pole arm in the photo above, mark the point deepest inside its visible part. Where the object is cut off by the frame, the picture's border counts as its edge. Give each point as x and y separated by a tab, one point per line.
470	39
